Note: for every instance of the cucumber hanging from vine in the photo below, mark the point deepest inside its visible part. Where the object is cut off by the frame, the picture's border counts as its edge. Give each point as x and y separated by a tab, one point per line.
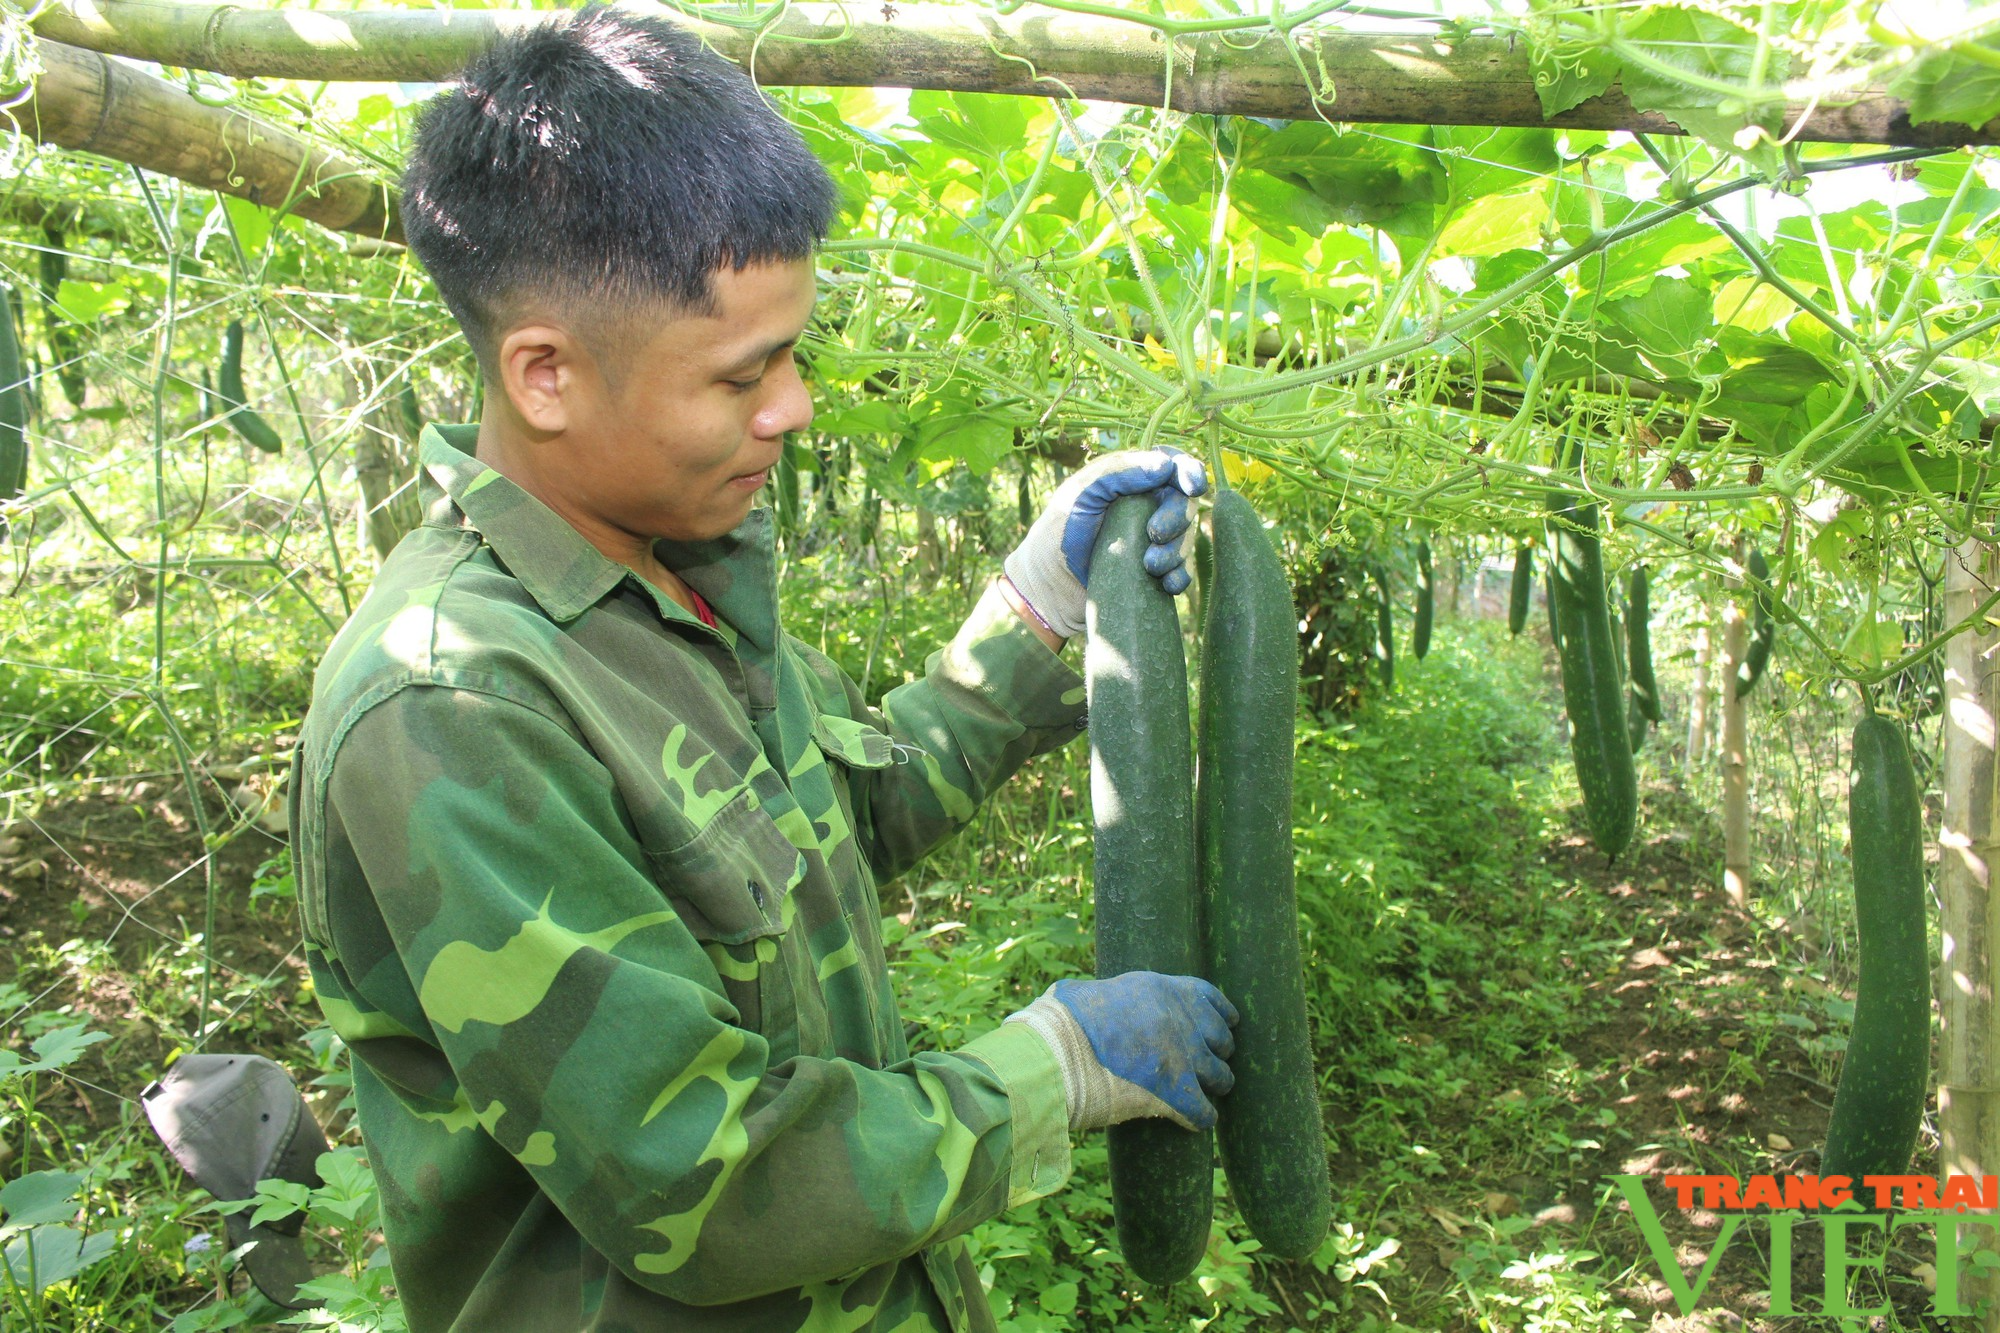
1639	644
13	405
1593	694
1270	1130
1763	628
1385	630
1426	609
64	346
1884	1086
410	410
1143	850
229	388
1521	590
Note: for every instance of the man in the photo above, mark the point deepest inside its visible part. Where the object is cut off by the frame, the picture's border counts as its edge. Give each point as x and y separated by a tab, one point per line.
588	848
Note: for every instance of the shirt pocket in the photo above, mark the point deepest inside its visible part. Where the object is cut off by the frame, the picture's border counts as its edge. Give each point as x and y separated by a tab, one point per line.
728	884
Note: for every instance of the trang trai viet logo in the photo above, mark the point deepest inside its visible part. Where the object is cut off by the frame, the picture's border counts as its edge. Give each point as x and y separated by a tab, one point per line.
1961	1214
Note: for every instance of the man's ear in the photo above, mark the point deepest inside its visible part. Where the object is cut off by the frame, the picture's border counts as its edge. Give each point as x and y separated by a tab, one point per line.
546	373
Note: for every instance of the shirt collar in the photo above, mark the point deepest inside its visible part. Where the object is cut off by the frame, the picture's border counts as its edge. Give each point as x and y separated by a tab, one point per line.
736	574
564	573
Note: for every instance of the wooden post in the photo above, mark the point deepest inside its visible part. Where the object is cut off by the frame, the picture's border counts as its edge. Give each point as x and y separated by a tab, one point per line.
1697	748
1308	72
1735	759
1968	1084
89	104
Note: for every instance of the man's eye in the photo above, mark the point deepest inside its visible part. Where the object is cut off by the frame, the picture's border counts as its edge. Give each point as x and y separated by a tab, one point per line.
744	386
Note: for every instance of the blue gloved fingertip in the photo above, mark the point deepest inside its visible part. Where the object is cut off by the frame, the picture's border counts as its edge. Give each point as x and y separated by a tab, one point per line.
1191	476
1170	520
1176	581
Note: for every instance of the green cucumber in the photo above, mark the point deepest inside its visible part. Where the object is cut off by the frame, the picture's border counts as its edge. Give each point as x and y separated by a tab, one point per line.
1270	1131
411	411
63	343
1885	1079
1763	629
1593	694
1142	803
1385	630
1549	605
13	405
229	388
1204	560
1420	623
1636	721
1639	644
1523	590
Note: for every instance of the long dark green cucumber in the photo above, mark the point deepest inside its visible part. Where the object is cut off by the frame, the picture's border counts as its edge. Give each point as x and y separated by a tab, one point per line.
13	405
1549	605
1523	590
1272	1138
411	411
1639	644
1385	630
1142	805
1420	622
1593	695
1885	1080
1763	630
1636	721
1204	563
53	261
229	388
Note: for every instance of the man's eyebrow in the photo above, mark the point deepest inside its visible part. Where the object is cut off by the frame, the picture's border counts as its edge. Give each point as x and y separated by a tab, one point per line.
759	355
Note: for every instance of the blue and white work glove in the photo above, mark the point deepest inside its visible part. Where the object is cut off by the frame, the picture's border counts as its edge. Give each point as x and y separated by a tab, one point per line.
1137	1044
1051	565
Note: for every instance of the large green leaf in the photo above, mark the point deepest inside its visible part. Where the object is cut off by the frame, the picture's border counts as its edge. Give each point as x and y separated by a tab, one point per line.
1671	317
986	128
1950	85
39	1196
36	1260
1480	161
1282	207
53	1050
1495	225
1769	370
1381	176
1691	56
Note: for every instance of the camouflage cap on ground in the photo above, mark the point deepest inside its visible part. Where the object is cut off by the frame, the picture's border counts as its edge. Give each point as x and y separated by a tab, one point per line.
231	1121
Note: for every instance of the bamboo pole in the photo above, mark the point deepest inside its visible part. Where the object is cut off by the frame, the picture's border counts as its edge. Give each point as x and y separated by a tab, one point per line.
1968	845
90	104
1437	78
1735	757
1697	748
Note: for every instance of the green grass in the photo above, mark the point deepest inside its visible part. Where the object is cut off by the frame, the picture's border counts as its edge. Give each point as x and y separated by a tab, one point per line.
1451	963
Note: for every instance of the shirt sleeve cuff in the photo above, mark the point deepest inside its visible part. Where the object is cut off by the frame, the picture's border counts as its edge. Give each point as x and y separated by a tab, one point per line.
997	654
1039	1109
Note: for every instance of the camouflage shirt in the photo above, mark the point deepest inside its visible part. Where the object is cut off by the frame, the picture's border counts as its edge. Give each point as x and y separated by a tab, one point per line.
589	888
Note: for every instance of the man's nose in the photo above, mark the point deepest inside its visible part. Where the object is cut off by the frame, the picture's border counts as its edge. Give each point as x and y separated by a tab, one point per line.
790	409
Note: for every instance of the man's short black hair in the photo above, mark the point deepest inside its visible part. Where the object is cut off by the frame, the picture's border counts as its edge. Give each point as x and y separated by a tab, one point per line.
609	163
